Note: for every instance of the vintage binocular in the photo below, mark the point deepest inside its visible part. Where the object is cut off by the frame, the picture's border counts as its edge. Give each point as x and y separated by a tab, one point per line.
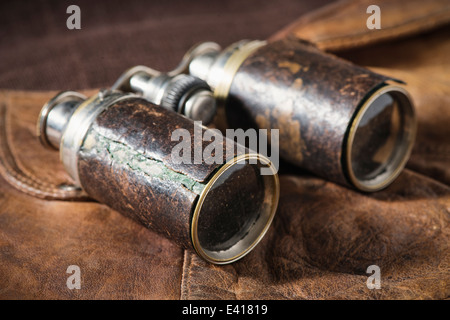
335	119
118	148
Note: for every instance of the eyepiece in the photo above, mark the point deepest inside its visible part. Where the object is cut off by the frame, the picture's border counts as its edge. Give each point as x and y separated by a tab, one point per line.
380	138
54	117
235	209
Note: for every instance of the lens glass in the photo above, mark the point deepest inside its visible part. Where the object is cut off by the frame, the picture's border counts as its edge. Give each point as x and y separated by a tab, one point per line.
382	139
236	211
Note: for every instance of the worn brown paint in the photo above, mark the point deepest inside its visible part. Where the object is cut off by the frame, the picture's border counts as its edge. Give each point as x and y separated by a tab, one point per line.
125	162
309	95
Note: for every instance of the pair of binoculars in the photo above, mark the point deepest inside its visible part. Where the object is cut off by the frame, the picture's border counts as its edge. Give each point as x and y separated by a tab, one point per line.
335	119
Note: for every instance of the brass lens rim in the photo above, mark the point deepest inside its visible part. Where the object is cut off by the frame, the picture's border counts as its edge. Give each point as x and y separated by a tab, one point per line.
403	152
269	214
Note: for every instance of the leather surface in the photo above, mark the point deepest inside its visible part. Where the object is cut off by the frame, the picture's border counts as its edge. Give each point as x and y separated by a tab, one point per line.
322	240
342	24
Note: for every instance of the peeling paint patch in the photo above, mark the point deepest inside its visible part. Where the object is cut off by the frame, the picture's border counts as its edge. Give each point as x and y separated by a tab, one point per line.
123	154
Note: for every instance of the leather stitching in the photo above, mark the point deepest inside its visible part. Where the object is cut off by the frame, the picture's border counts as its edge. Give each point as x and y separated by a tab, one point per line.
186	270
11	171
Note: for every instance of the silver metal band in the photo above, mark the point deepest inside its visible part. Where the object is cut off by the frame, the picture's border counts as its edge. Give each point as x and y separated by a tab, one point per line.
219	68
79	124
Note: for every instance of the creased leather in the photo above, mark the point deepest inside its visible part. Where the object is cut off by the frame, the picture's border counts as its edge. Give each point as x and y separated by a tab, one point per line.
325	236
342	25
322	240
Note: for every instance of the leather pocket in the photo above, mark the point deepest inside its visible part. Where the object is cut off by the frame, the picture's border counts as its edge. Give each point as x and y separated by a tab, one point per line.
342	25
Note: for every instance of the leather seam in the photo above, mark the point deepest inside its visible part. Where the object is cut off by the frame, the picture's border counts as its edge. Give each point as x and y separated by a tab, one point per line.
185	274
12	172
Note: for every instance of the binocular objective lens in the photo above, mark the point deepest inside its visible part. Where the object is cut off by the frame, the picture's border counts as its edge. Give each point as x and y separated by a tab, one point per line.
382	141
236	210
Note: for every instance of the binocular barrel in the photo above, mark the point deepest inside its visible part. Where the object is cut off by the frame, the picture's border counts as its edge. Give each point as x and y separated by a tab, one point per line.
338	120
118	148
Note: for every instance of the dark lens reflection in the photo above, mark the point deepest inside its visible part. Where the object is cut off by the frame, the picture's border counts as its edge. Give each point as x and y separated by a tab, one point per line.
232	207
377	137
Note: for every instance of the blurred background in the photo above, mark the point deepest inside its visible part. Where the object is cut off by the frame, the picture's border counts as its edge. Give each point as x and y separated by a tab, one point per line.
38	51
